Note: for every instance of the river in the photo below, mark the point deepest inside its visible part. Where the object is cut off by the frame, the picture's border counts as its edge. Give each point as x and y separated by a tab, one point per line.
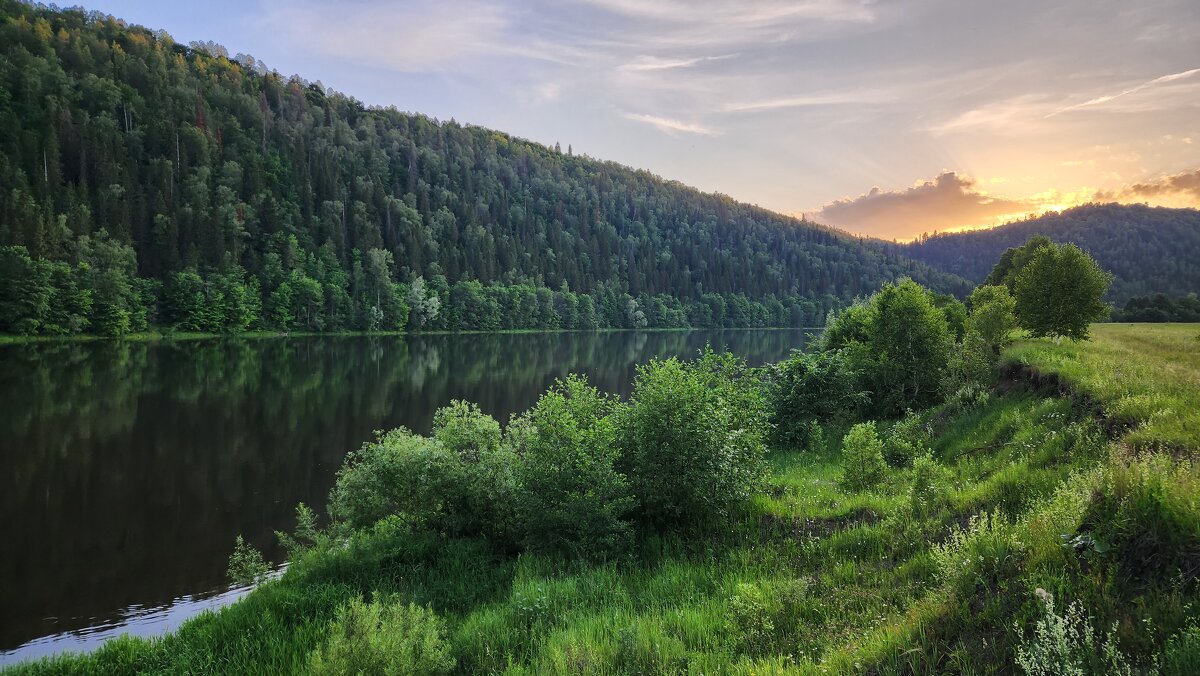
131	466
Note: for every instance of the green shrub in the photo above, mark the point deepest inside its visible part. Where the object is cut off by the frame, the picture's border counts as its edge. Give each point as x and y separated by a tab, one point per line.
966	398
1059	292
862	458
956	314
1148	517
488	470
981	559
906	439
379	638
853	324
909	341
930	490
1182	654
814	441
246	564
807	388
306	535
692	439
492	492
971	364
572	498
400	473
465	430
897	342
1066	645
993	315
749	621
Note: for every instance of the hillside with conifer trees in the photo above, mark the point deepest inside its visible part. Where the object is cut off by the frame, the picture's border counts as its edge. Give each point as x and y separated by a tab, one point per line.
151	183
1149	250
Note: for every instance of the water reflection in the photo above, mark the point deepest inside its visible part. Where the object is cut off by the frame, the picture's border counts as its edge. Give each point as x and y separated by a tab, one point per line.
132	466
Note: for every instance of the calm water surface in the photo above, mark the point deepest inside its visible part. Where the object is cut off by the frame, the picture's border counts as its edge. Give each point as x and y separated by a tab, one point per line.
131	467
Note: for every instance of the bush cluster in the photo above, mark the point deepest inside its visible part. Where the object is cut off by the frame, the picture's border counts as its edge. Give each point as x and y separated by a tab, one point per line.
879	357
572	498
580	472
907	439
692	439
809	388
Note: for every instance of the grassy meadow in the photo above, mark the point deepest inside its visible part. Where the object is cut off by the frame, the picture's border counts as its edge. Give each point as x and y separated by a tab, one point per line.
946	565
1147	375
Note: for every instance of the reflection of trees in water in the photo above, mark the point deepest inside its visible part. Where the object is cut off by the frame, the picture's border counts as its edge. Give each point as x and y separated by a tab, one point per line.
131	466
425	360
86	388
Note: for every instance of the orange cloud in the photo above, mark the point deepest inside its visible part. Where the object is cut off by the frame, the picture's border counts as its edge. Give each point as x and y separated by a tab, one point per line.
1182	189
948	202
954	202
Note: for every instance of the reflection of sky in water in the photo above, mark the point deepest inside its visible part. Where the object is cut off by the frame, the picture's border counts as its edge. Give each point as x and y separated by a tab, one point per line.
131	467
134	620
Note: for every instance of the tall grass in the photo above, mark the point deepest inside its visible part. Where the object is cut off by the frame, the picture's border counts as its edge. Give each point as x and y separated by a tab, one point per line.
1147	375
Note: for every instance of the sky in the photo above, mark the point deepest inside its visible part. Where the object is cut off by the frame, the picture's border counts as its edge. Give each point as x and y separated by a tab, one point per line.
887	119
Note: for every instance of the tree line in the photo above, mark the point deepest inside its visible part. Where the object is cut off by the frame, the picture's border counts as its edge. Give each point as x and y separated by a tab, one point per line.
287	205
1159	308
98	292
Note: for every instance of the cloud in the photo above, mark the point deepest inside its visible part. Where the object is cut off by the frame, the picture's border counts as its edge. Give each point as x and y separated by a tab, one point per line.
832	99
738	13
410	36
1027	113
949	201
713	23
1132	90
651	63
547	91
955	202
670	126
1177	189
1014	115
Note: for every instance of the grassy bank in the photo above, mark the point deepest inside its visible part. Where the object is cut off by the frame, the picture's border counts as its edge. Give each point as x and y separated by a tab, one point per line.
944	566
1147	375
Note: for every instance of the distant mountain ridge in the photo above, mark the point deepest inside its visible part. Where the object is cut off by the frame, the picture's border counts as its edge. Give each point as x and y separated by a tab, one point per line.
1148	249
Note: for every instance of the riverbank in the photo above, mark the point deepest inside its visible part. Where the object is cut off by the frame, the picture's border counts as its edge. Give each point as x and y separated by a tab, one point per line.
945	564
205	440
151	336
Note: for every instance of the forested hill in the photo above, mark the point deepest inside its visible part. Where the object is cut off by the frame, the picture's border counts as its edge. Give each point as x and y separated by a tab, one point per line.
206	174
1148	249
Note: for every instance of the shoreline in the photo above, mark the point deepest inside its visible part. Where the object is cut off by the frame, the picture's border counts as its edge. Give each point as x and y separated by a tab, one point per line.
160	336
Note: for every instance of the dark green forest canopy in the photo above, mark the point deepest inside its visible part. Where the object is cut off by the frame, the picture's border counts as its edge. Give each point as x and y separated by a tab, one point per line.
1149	250
220	166
1159	308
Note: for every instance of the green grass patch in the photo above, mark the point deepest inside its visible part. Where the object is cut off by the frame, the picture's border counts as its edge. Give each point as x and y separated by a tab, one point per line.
1147	375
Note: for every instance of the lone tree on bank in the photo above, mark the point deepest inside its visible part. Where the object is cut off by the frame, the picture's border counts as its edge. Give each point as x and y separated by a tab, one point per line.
1058	292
